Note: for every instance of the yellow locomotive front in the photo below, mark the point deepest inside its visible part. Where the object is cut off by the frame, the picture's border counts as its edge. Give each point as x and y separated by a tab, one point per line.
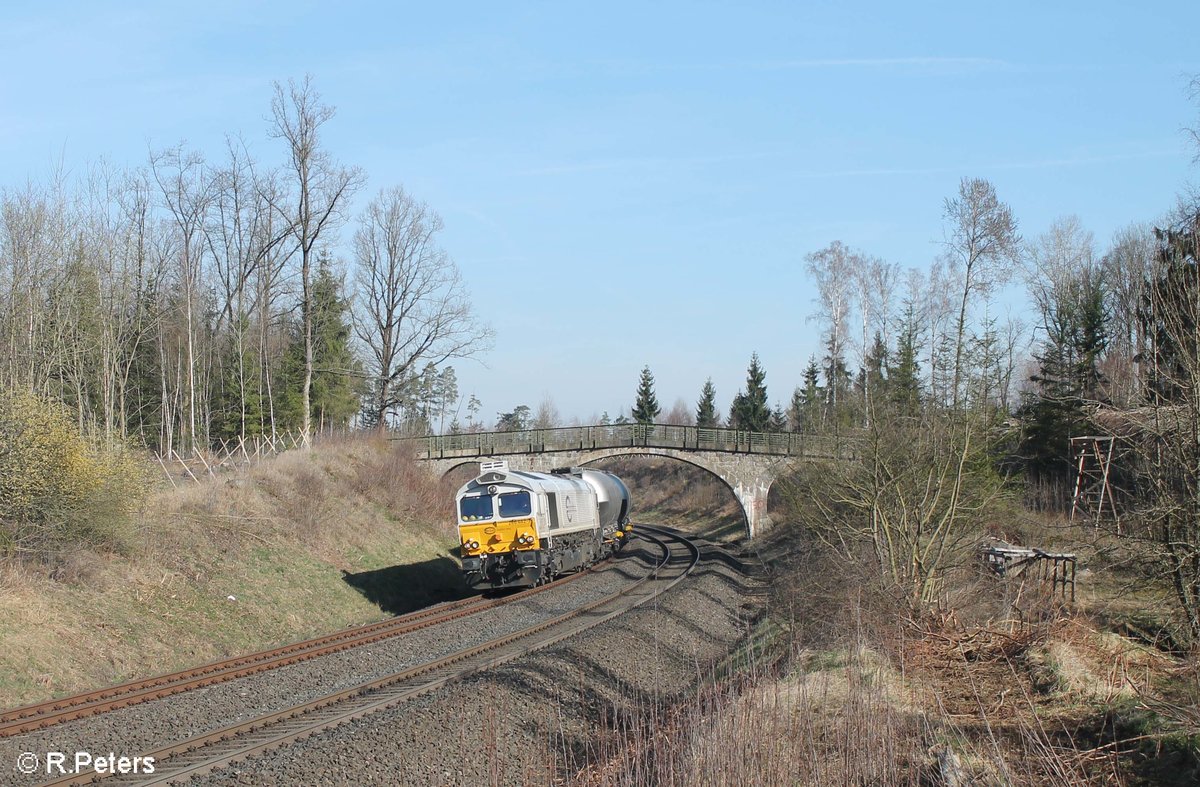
498	532
519	529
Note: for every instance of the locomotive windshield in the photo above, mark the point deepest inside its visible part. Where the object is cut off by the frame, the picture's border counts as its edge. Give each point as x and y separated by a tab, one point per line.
477	507
515	504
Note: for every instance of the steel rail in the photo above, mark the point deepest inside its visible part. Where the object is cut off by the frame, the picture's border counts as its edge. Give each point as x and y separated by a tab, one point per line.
41	715
207	752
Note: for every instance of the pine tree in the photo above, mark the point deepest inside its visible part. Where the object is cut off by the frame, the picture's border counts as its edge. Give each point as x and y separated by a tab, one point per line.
735	410
837	386
706	408
778	421
337	388
337	374
515	421
473	408
445	394
750	410
873	378
904	377
795	413
645	408
808	404
1068	377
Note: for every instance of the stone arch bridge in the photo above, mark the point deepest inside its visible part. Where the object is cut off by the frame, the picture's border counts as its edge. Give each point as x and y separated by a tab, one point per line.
747	462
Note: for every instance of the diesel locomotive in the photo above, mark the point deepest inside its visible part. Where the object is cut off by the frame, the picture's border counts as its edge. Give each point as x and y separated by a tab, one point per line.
521	529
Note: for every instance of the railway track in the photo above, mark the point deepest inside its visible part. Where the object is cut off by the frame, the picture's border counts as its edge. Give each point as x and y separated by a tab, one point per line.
204	753
30	718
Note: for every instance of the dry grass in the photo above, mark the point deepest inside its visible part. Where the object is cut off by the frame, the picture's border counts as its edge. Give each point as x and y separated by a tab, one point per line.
304	543
1004	686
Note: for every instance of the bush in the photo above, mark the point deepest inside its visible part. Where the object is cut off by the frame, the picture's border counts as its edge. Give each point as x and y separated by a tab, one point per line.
57	490
914	499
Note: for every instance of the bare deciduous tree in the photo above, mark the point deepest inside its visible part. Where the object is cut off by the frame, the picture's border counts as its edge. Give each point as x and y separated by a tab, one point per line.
982	246
680	414
240	239
876	281
1055	260
547	415
186	187
411	304
834	270
1127	265
322	189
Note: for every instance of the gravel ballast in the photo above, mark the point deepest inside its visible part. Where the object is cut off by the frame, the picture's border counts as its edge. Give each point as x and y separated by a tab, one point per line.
142	728
539	718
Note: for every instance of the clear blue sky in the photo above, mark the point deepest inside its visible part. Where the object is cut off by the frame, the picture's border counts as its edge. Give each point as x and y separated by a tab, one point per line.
629	184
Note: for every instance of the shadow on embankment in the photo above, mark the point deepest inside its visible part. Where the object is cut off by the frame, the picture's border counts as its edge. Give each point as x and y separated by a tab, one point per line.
400	589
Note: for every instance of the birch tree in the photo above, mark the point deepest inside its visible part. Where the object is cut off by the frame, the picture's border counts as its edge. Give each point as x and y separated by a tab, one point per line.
186	188
834	268
982	246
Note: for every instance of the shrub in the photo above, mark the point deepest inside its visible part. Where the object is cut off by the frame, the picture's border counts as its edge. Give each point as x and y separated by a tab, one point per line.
57	490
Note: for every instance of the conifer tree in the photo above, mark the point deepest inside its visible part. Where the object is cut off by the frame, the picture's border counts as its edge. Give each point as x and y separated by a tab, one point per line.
750	410
336	390
1068	376
337	374
795	413
837	385
904	376
808	403
873	377
706	408
645	408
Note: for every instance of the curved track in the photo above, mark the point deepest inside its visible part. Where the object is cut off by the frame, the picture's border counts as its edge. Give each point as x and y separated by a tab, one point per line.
47	714
222	747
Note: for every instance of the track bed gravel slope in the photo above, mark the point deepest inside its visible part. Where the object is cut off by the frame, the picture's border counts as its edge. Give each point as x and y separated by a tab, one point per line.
538	719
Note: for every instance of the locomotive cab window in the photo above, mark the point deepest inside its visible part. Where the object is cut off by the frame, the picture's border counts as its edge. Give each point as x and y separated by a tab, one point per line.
473	508
515	504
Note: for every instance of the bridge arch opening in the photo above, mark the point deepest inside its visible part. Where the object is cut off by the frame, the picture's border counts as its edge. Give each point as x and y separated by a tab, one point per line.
678	492
461	473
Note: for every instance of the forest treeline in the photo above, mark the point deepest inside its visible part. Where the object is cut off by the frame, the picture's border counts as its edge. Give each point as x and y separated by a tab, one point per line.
193	299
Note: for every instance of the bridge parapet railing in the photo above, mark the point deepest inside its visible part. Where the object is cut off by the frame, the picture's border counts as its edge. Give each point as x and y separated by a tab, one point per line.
582	438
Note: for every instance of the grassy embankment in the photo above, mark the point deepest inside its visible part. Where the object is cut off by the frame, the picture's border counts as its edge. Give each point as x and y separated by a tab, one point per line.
301	544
